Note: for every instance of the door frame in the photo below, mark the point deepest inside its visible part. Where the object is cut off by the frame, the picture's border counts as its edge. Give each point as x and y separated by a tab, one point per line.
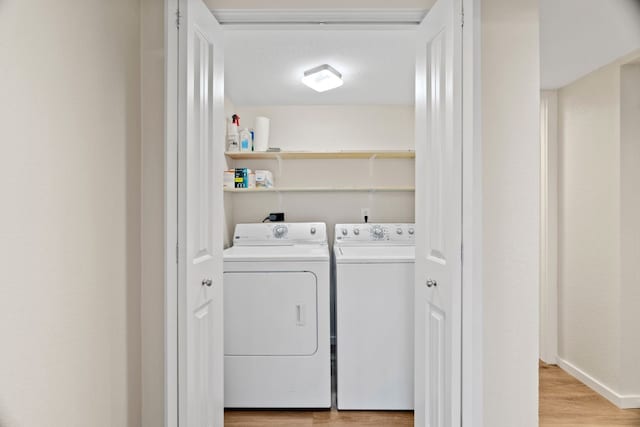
472	289
549	227
472	293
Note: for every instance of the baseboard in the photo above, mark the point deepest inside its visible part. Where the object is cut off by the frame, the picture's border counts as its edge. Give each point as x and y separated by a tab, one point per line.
620	400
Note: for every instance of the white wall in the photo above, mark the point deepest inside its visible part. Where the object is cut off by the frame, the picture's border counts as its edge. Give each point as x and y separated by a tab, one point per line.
70	217
599	230
335	127
325	128
511	206
589	224
630	223
153	294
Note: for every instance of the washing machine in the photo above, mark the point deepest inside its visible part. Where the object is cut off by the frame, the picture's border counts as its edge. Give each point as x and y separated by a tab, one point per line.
374	273
277	317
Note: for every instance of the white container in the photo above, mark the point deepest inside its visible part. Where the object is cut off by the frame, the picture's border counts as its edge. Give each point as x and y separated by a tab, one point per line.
229	179
264	179
233	140
261	140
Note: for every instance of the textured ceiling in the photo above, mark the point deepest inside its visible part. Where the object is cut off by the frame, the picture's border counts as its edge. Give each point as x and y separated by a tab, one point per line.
580	36
315	4
264	67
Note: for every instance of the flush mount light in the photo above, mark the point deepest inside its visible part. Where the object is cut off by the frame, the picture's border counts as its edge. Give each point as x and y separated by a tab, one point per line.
322	78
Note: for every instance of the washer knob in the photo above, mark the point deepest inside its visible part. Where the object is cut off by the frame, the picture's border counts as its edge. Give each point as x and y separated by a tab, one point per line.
344	231
313	230
411	231
356	231
399	230
280	231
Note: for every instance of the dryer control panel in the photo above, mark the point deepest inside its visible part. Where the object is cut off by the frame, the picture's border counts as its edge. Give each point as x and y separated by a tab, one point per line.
280	233
403	234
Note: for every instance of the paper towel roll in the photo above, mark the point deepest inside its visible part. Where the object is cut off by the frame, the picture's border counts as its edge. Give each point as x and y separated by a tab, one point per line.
261	139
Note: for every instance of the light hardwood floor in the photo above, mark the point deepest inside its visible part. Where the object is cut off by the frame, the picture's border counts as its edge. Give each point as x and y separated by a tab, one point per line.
326	418
564	402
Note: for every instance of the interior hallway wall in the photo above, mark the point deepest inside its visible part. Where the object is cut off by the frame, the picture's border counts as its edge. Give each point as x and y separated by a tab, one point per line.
70	217
511	210
630	235
589	224
153	227
599	230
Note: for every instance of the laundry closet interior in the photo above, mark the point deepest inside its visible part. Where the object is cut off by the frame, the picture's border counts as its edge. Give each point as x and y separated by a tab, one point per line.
343	156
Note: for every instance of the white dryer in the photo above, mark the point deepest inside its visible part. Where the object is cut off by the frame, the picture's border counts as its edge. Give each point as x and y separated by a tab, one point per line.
277	317
374	315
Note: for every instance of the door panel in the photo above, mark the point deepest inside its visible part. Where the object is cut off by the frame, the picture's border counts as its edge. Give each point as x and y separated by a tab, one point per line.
202	129
438	217
200	214
436	97
436	368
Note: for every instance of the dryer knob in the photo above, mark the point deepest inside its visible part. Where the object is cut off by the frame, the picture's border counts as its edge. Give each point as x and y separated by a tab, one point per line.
399	230
356	231
344	231
411	231
280	231
377	232
313	230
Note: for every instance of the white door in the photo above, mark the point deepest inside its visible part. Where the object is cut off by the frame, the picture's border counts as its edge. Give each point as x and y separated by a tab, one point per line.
438	282
201	128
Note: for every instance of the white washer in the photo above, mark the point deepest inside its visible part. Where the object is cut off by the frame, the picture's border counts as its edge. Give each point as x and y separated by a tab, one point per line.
277	317
374	315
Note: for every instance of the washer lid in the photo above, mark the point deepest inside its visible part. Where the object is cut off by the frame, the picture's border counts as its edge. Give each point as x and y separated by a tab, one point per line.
375	234
374	254
277	253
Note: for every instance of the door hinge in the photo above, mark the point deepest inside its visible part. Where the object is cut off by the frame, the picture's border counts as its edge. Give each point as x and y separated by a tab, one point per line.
178	16
462	18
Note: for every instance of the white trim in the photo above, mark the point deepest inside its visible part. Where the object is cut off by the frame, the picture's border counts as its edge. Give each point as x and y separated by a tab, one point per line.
472	291
171	219
319	16
472	404
620	400
549	226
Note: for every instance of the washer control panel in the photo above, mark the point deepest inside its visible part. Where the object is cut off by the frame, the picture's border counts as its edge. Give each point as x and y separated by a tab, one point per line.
372	233
280	233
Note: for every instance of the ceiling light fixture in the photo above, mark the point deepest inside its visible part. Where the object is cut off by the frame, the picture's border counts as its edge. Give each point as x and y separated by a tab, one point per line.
322	78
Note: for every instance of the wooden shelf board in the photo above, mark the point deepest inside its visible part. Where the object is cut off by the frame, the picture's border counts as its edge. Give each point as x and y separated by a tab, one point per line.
381	154
318	189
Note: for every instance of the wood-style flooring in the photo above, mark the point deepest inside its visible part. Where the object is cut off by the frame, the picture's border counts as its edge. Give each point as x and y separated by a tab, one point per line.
326	418
564	402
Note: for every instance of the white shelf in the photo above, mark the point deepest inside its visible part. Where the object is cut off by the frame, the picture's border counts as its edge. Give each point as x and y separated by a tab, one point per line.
318	189
380	154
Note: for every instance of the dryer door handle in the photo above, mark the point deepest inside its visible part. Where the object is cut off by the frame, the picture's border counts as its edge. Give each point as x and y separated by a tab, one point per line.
300	314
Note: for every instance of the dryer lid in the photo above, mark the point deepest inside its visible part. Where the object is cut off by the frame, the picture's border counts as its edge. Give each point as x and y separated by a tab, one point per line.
277	253
280	234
